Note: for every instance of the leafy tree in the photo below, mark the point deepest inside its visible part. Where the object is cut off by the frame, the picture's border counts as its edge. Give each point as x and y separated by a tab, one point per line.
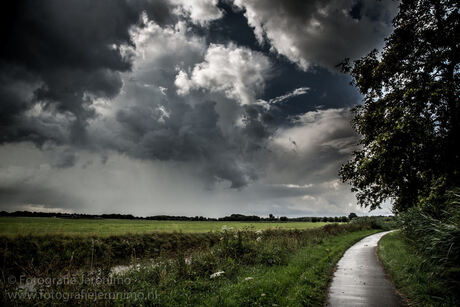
410	118
352	216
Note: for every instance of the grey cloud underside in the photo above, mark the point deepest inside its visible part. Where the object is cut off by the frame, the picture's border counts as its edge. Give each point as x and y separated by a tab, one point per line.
59	52
192	134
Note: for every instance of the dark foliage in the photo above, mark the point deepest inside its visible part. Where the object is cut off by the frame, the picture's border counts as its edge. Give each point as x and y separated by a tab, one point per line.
240	217
410	119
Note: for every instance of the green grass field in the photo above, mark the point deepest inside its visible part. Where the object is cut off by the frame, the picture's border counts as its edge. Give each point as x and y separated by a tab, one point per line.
13	226
244	268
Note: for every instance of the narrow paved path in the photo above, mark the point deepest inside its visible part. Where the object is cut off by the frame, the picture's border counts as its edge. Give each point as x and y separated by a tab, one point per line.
360	280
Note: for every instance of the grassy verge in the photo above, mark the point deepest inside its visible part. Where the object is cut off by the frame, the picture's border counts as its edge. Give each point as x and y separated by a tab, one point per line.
413	275
302	281
285	268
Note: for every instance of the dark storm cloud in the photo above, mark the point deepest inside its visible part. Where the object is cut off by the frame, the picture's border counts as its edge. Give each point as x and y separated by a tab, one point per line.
192	134
62	55
320	32
182	136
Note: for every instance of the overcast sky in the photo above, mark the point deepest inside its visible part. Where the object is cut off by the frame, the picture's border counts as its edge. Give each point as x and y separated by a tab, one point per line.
183	107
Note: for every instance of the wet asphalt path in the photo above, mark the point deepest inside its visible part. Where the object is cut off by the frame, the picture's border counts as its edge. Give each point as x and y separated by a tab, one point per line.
360	280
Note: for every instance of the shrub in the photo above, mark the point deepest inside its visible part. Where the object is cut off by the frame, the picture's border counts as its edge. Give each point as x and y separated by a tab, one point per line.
376	222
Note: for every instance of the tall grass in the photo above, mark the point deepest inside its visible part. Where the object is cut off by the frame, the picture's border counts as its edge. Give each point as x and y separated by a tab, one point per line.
413	275
57	254
437	238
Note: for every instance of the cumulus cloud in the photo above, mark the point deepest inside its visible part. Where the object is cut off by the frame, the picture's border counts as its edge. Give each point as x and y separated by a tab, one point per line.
62	56
199	11
238	72
57	57
149	121
320	32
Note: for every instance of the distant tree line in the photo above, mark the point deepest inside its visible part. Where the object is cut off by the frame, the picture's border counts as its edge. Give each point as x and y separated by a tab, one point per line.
232	217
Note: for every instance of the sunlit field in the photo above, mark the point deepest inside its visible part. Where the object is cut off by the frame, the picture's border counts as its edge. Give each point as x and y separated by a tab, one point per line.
13	226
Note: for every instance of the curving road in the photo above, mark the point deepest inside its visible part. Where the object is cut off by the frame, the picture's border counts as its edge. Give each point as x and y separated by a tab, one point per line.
360	280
